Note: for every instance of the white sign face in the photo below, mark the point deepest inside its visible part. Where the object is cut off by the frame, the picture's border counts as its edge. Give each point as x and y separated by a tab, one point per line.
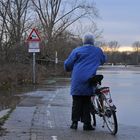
34	47
34	35
33	50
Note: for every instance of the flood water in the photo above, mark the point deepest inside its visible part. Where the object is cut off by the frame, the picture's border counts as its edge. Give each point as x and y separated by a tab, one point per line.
125	90
124	85
10	98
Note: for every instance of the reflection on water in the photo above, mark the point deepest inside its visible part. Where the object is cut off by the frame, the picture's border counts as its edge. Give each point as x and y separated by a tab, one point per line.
9	99
125	91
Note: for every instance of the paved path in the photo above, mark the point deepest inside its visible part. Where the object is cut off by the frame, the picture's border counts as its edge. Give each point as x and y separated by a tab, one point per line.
45	115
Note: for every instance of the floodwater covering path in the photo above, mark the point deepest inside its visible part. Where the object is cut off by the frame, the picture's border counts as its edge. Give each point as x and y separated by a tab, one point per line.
45	114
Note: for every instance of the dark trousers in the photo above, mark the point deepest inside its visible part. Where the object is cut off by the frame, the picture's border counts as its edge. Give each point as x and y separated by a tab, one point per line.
81	109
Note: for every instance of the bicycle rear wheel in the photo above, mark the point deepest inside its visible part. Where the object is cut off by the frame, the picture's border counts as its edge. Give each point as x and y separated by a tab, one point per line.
110	118
92	111
94	119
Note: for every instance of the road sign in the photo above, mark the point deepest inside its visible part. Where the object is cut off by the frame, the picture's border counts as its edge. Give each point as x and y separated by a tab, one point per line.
34	47
33	40
34	36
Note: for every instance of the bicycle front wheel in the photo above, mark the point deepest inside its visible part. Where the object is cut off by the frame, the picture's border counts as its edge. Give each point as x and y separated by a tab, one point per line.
110	118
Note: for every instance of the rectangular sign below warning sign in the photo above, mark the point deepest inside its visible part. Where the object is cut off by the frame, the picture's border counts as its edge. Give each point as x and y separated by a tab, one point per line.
33	50
34	47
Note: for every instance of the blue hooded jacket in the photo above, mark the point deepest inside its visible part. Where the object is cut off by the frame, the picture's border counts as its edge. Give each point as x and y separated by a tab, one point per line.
83	62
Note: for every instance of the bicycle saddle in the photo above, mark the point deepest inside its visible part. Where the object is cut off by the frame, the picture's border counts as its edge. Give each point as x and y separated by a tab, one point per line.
96	79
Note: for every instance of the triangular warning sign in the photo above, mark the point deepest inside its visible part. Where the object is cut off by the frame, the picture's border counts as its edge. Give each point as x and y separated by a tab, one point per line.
33	36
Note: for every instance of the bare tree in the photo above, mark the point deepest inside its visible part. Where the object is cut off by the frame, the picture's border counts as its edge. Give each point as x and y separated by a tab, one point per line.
14	16
17	14
3	29
104	46
113	51
81	29
136	47
113	46
57	15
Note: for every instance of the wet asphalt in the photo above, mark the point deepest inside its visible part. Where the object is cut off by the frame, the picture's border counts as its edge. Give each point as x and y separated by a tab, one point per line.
45	114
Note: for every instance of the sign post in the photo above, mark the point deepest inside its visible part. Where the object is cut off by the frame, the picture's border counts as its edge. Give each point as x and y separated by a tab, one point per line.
56	58
34	70
34	40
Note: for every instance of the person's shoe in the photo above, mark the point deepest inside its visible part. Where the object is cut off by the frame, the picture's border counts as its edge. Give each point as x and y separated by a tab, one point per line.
88	127
74	125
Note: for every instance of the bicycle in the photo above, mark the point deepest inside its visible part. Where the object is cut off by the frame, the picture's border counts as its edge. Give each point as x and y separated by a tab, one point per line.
102	105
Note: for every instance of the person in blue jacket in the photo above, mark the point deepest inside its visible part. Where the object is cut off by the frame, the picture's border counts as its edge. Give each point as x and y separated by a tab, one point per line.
83	62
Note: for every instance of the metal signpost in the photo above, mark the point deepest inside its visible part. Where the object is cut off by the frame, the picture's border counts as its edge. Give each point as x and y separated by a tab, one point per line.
34	40
56	58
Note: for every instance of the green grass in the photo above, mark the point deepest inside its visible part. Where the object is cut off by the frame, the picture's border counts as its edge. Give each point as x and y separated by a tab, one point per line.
5	117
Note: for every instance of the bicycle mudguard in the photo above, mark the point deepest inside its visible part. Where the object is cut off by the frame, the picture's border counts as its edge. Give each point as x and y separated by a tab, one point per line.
104	90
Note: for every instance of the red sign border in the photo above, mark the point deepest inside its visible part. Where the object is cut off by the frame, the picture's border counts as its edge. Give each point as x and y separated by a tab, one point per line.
32	40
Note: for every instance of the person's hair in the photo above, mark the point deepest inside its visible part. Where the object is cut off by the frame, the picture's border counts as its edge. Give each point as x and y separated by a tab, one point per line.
88	38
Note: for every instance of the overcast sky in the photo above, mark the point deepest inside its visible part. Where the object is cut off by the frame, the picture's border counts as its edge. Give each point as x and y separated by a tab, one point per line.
120	20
